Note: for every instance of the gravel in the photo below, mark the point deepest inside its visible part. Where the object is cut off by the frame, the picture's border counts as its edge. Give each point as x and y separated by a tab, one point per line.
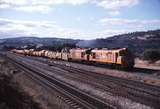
153	80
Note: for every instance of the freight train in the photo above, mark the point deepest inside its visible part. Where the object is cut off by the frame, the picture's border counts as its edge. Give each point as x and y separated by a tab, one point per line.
121	58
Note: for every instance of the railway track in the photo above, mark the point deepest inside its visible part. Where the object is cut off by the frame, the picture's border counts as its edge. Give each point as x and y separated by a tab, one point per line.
74	97
137	91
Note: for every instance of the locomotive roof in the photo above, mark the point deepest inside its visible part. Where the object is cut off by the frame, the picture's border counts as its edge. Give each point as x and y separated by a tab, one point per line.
105	50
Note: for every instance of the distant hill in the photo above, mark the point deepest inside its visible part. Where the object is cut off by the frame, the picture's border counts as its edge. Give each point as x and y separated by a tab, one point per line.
136	41
35	41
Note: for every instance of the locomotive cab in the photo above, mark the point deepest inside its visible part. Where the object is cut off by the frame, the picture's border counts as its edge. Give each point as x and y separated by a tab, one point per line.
126	58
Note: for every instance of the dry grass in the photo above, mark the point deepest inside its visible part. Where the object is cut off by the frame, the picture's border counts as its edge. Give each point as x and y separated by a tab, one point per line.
12	96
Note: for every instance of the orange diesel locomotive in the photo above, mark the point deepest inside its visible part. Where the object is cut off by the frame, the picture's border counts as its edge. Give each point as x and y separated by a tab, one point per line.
119	57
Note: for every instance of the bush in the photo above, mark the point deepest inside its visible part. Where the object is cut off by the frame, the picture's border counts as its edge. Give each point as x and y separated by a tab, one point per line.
151	55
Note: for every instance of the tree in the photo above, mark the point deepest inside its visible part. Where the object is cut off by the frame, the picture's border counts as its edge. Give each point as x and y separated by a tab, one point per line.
151	55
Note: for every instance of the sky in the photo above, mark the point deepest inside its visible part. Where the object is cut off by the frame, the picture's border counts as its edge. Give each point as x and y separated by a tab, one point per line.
77	19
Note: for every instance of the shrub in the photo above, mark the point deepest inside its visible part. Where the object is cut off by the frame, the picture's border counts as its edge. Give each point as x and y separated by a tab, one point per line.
151	55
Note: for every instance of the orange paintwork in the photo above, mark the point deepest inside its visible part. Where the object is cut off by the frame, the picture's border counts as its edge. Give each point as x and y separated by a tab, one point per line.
106	56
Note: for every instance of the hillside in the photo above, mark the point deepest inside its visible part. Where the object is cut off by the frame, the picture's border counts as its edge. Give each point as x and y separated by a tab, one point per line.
136	41
35	42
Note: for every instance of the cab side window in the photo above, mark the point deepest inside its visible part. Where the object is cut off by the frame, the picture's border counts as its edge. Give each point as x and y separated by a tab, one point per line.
116	55
93	55
82	55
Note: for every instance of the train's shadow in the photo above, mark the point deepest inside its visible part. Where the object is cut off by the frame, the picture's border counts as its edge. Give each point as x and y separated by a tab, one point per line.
134	70
144	70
